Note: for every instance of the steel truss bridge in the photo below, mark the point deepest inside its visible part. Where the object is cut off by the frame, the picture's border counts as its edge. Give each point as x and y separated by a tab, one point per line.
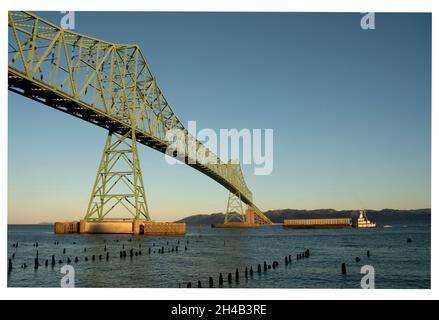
112	86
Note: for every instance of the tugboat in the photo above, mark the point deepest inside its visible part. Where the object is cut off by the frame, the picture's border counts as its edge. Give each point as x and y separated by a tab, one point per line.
363	222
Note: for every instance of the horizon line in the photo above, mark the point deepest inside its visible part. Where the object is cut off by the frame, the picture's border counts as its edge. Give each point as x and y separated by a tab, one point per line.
207	214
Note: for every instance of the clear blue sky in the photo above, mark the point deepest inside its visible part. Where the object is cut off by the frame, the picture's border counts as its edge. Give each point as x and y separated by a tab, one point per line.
350	109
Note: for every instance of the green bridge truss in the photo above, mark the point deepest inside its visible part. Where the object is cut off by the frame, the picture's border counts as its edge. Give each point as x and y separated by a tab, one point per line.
112	86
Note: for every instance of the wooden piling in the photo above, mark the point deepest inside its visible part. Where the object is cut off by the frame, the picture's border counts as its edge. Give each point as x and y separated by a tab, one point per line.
343	268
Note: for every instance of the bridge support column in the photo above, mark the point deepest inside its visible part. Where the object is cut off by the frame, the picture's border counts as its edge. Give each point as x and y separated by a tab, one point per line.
118	186
250	215
235	210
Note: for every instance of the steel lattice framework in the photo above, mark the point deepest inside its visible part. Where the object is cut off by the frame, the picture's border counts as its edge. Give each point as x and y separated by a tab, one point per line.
110	85
234	210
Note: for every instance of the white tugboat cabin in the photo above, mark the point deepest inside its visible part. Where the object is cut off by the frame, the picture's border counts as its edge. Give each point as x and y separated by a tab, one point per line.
363	222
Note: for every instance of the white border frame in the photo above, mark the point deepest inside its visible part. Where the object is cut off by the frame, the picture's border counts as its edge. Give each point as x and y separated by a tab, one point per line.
199	5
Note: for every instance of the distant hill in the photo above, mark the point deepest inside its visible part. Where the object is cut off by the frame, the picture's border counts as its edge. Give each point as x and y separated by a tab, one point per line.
204	219
278	216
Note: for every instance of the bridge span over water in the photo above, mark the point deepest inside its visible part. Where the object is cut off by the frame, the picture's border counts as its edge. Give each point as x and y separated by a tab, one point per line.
111	86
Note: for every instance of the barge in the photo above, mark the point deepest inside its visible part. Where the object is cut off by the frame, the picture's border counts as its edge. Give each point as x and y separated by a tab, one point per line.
318	223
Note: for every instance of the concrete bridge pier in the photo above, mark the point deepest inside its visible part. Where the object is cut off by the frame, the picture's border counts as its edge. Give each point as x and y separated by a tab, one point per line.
121	226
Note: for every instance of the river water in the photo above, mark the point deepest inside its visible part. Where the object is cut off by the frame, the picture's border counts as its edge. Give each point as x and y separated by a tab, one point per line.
397	263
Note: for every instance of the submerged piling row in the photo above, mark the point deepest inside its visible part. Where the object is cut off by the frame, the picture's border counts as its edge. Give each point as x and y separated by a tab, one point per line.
53	261
248	271
303	255
123	254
